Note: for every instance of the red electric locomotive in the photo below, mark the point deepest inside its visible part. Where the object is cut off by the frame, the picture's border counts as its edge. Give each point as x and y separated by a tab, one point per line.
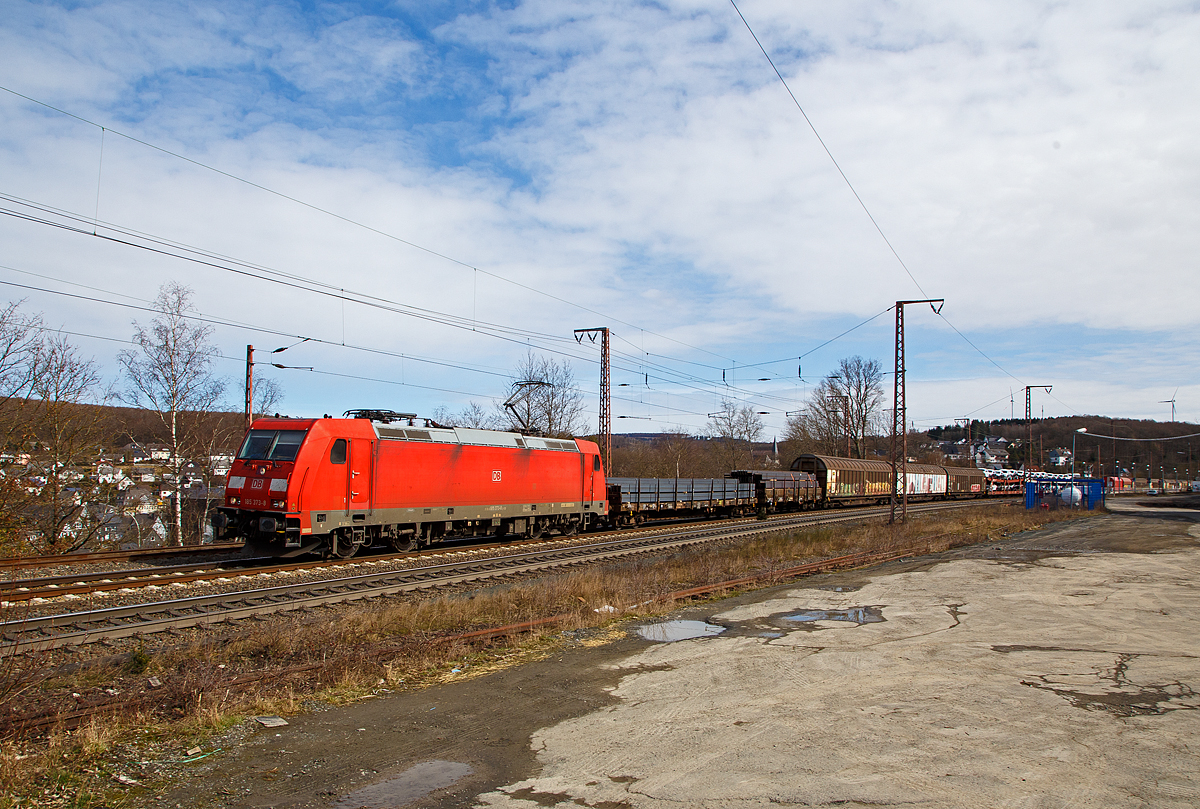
332	485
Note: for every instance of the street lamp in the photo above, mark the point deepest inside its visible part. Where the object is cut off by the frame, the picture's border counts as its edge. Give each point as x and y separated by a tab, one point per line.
1080	430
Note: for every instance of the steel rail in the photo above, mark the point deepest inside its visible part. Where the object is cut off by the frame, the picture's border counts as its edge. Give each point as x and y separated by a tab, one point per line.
99	557
46	587
57	586
115	623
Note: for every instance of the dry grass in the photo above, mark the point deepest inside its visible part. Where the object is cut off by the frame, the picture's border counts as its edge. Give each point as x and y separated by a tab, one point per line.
222	675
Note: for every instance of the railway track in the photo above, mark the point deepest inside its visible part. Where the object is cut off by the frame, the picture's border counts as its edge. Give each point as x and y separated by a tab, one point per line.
103	557
42	588
47	587
115	623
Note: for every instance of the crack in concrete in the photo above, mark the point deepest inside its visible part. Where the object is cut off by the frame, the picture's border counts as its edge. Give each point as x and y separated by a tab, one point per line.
953	609
1127	698
555	798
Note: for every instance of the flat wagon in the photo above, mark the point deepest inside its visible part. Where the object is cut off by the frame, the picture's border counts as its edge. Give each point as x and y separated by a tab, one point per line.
780	490
632	500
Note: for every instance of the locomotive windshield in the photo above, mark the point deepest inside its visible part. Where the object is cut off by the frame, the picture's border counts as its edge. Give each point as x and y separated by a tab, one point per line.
272	445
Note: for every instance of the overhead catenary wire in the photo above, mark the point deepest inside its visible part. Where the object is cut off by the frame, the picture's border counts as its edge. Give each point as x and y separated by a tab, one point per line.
1143	440
240	267
474	323
147	307
802	355
200	318
209	259
242	360
349	221
666	375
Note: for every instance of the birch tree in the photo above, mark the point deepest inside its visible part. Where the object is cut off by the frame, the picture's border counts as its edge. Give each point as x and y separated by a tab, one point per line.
170	373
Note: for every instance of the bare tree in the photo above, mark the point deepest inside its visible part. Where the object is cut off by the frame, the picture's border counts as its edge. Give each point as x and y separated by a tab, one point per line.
50	435
734	430
267	395
551	405
20	346
20	343
820	427
845	403
473	415
64	439
170	373
860	381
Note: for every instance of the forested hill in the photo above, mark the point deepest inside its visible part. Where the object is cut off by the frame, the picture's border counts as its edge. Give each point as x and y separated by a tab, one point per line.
1058	431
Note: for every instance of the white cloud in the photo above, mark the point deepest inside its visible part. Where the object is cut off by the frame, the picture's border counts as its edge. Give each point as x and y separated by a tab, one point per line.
1033	163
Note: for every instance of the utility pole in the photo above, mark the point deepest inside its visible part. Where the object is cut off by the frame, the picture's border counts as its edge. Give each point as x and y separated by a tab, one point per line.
249	385
899	415
845	399
1029	426
966	422
605	390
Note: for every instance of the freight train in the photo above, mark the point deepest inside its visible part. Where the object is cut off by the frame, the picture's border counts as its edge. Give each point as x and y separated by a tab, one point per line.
379	478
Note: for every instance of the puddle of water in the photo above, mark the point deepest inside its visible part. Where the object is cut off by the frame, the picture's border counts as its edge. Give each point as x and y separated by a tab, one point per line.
770	634
413	783
857	615
669	631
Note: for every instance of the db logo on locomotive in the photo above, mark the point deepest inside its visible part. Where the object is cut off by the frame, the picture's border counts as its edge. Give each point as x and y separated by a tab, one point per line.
256	484
496	476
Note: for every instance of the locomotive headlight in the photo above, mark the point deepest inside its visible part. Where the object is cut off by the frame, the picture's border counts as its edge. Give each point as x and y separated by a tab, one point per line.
278	503
233	501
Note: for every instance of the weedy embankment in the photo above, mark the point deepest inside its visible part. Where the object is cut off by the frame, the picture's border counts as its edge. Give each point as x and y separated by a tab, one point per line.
153	704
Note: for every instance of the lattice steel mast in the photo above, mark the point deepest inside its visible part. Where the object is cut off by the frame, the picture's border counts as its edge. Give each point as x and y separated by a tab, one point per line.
899	414
1029	429
605	390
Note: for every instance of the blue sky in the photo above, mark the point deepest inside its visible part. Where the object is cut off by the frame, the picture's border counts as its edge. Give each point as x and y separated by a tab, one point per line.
546	166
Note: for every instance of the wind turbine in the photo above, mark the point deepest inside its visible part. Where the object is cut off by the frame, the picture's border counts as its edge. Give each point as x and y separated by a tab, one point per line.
1171	401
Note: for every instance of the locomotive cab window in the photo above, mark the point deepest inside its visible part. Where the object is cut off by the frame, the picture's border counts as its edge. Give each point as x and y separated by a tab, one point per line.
272	445
337	453
596	463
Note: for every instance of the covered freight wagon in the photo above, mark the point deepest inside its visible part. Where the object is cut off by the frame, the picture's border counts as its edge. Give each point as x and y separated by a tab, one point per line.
965	481
849	481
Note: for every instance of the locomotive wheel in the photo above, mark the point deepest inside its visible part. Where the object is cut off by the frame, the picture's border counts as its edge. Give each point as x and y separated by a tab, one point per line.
342	546
405	542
